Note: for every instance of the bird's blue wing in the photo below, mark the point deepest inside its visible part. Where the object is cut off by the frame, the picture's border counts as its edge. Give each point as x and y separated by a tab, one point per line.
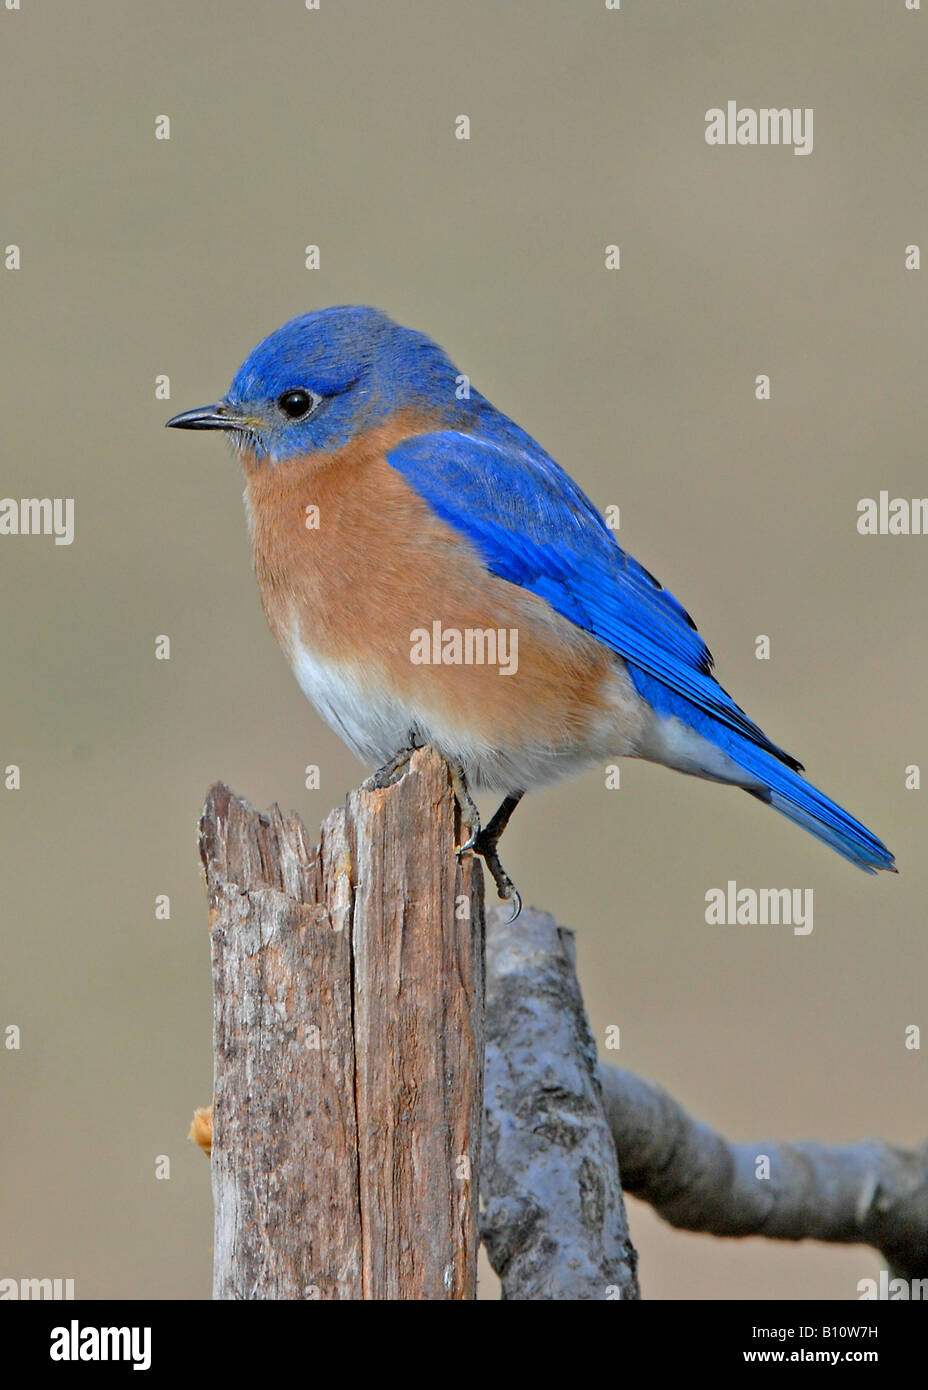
533	526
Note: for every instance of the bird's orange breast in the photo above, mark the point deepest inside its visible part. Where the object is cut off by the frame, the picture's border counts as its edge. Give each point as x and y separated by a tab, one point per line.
351	562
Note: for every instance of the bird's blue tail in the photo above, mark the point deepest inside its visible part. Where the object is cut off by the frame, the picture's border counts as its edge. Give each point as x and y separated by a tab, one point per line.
773	776
788	792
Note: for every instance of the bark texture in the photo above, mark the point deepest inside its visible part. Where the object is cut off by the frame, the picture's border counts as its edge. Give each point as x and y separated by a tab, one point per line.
554	1221
348	1032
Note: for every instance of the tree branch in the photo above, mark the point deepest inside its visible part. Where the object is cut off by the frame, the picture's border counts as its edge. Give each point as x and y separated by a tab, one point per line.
866	1193
554	1222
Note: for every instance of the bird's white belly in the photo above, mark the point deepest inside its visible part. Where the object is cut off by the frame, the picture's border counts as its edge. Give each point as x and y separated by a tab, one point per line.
361	711
375	723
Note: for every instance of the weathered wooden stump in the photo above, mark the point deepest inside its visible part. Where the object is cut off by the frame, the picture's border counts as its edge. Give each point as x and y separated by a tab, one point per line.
349	1045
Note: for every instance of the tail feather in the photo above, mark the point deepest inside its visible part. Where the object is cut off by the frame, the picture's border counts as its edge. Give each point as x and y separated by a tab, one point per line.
790	794
689	737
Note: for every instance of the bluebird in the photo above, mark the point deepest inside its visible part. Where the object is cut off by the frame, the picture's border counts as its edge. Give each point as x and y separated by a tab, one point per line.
396	516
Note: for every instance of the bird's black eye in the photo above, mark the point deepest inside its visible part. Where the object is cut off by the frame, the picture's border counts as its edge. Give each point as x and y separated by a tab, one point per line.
296	404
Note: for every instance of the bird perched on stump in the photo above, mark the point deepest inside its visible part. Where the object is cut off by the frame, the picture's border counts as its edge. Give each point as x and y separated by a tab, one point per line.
435	577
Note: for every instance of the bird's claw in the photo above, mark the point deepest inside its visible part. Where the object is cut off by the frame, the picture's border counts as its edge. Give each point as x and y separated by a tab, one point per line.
482	840
385	776
516	907
470	816
486	847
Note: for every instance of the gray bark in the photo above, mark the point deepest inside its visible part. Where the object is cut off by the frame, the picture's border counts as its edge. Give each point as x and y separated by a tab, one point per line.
866	1193
554	1222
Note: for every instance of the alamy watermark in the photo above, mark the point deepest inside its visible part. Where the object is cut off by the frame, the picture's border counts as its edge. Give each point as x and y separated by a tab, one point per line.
899	516
38	516
748	907
78	1342
36	1289
769	125
469	646
888	1287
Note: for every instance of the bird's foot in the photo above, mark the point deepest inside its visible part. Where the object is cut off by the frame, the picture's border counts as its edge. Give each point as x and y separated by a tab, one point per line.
483	840
485	845
391	771
470	816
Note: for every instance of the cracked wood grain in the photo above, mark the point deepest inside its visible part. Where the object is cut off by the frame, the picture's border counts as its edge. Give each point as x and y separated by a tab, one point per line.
348	1038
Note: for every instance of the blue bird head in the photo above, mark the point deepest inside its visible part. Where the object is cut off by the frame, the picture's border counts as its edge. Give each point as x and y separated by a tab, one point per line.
323	378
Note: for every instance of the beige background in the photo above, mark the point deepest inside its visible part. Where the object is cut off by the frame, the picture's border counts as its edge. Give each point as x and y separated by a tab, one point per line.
142	257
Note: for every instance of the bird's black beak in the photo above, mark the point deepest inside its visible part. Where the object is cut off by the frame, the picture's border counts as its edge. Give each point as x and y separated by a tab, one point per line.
209	417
